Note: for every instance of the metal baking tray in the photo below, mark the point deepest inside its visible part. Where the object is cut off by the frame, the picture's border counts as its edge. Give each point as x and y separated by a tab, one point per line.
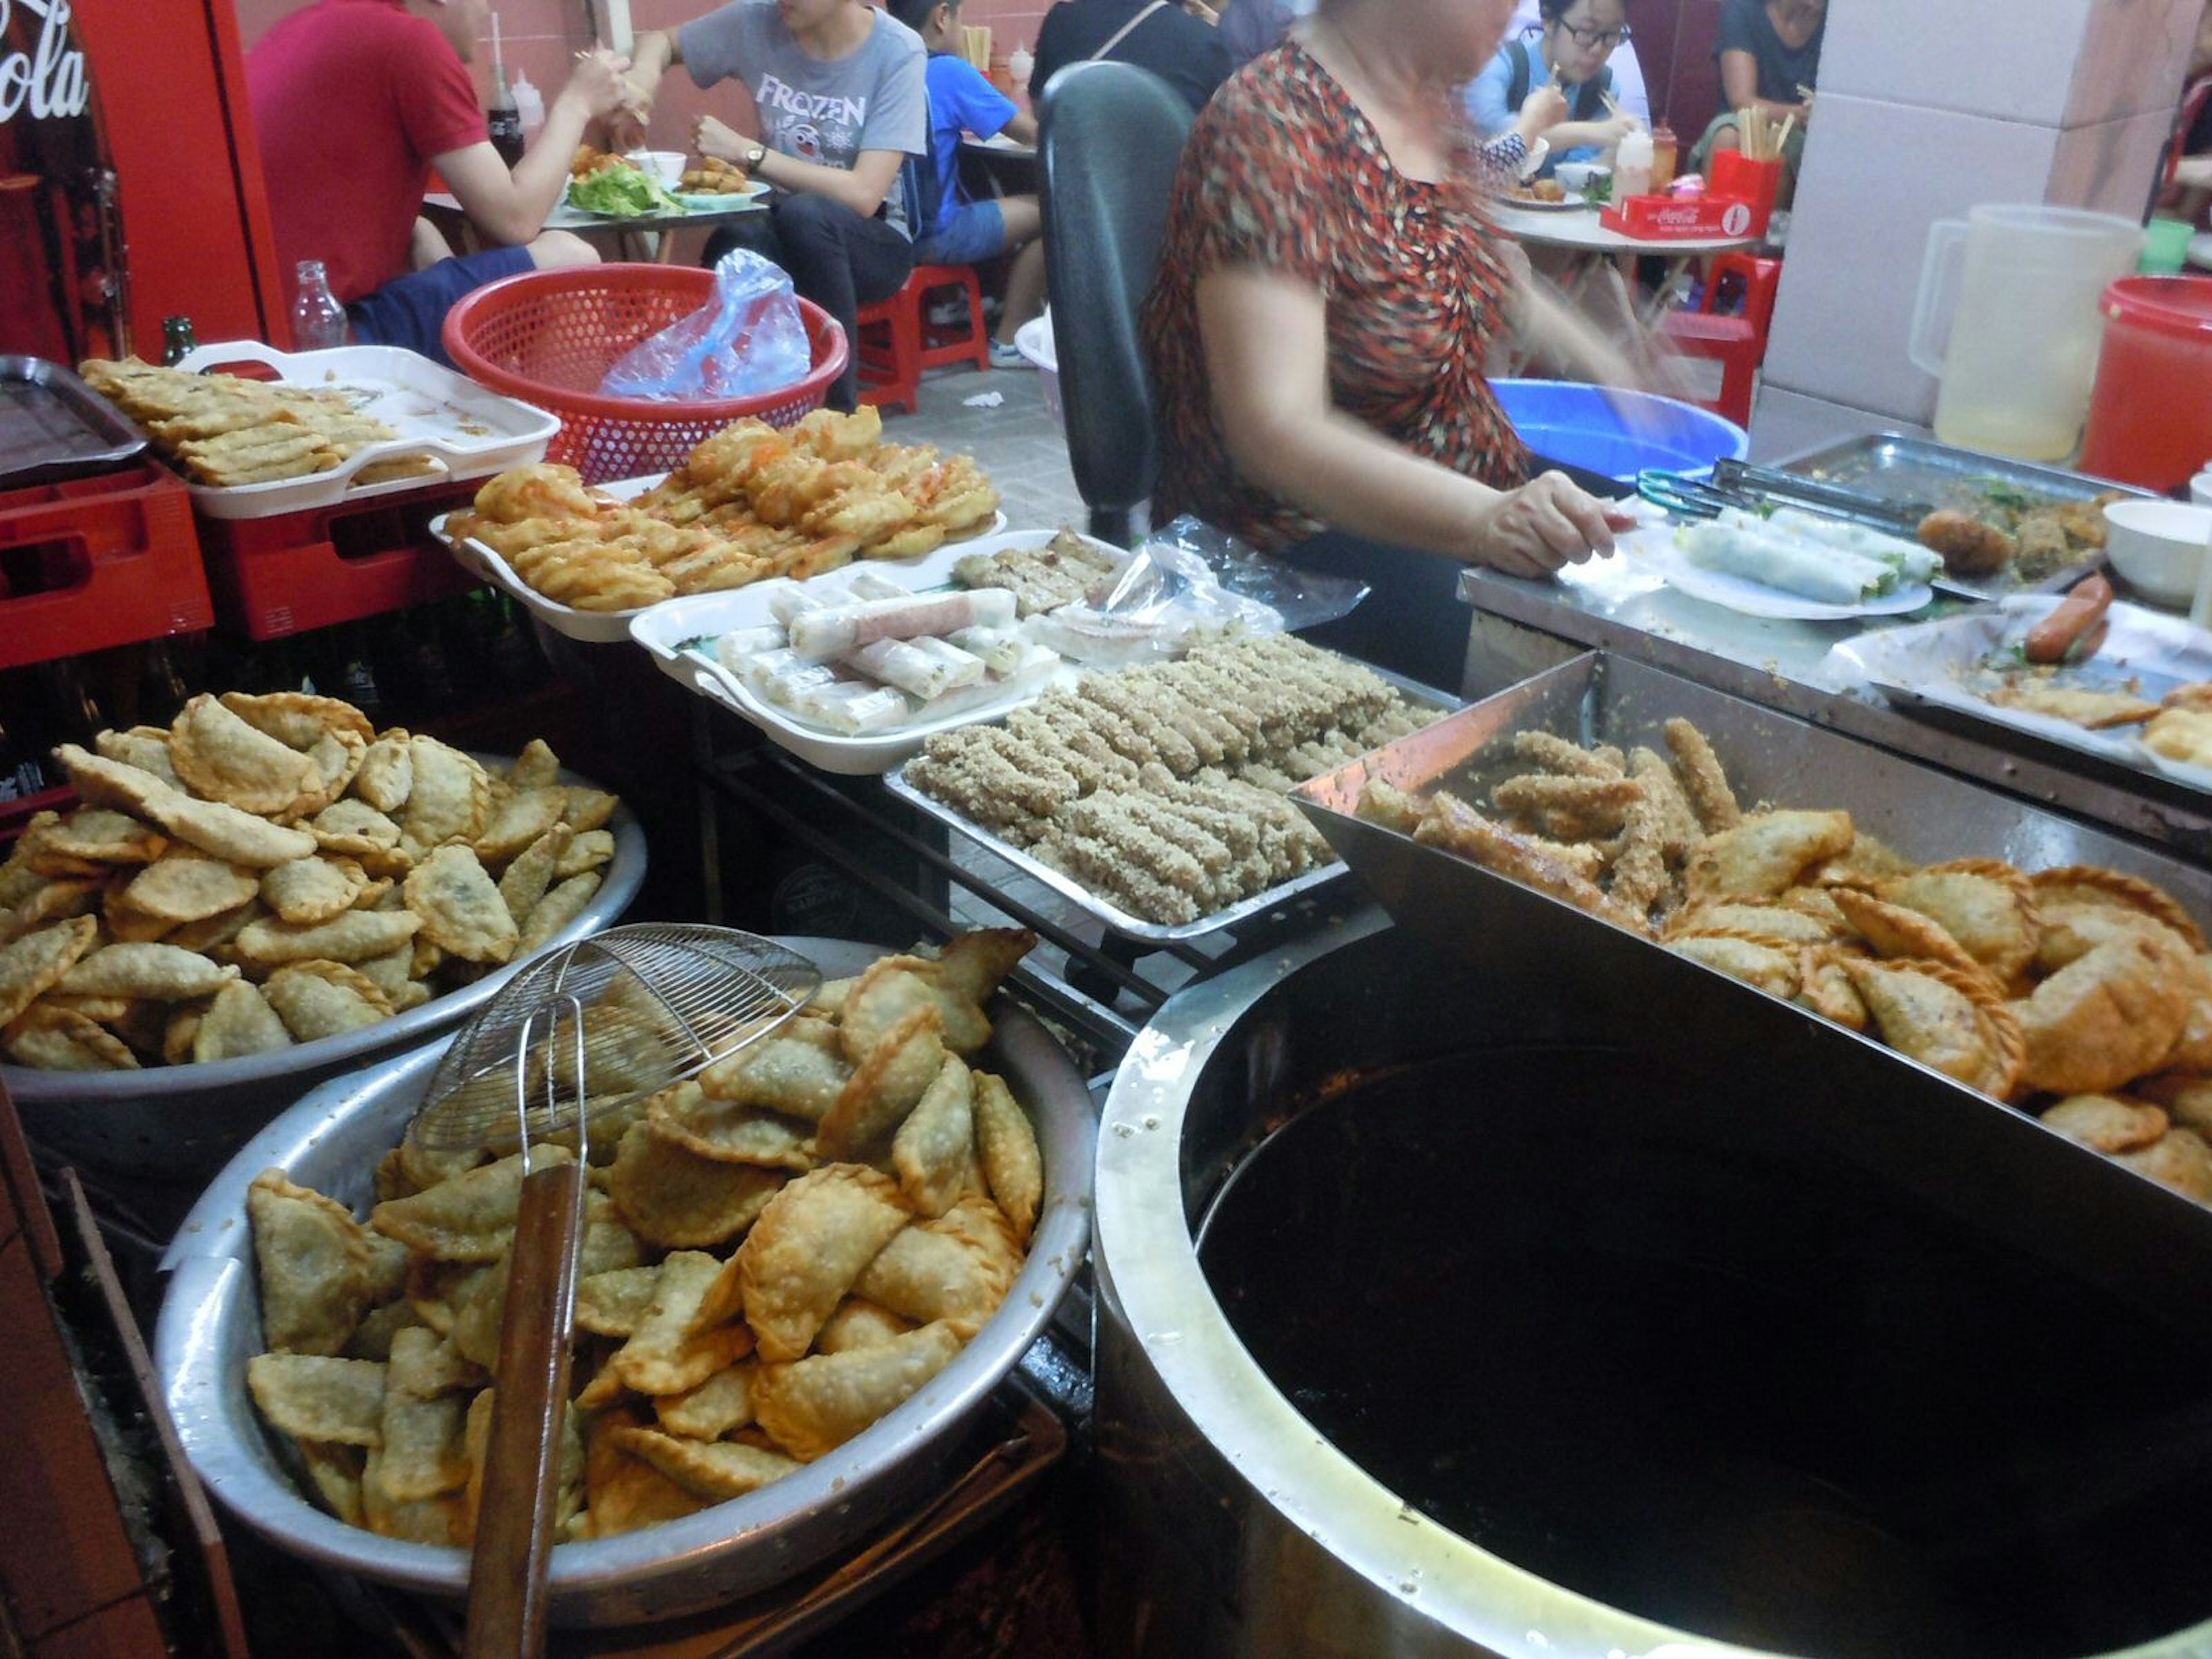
1105	909
54	426
1892	467
1923	813
1939	664
211	1324
177	1123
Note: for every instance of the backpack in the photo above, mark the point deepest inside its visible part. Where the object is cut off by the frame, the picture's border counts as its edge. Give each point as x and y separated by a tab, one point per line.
921	191
1588	101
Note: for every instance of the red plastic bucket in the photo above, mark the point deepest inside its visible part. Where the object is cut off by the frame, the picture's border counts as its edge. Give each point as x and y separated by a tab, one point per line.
2150	412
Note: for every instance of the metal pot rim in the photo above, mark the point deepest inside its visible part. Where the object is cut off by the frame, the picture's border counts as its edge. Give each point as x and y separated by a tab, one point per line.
200	1360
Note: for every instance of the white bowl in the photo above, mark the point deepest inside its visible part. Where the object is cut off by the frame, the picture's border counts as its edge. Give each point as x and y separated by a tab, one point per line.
666	165
2200	488
2157	546
1576	175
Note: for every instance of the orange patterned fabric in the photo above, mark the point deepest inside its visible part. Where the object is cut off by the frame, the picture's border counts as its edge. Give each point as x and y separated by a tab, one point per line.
1282	171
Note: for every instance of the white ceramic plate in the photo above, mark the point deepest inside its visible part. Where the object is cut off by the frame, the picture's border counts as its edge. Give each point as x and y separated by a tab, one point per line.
1528	204
720	201
1657	550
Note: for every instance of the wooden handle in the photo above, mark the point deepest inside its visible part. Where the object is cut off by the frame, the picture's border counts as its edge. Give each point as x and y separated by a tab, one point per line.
522	1460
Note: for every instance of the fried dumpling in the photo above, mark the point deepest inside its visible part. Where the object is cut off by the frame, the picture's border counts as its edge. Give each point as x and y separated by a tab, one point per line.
2110	1015
1772	968
809	1245
814	1405
1942	1018
1987	906
1765	855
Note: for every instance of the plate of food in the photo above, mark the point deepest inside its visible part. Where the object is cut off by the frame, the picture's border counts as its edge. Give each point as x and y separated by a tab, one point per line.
2139	694
1788	567
612	186
720	201
587	560
1543	194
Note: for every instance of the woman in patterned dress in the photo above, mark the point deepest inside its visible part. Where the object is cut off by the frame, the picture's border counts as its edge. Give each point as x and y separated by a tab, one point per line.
1328	293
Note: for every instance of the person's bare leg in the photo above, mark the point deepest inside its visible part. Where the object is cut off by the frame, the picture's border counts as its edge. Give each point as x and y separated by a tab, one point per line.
1026	277
427	247
562	247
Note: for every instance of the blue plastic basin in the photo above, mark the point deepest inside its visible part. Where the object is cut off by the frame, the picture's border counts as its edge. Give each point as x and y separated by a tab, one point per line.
1586	426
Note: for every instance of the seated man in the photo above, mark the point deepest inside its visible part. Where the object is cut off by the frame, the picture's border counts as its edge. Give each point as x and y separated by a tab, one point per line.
965	231
355	101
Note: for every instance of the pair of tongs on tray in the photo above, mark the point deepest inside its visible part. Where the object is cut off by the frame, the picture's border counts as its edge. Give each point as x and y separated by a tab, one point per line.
1738	483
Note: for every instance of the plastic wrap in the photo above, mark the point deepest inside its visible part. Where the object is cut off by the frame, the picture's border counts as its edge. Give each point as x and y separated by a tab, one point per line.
1188	584
749	339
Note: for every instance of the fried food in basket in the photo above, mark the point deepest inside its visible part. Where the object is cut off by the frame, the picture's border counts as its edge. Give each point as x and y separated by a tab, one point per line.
750	502
225	430
262	898
746	1304
2072	981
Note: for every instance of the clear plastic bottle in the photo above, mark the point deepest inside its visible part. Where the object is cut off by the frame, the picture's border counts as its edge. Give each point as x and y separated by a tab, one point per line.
1019	63
318	321
530	105
1632	166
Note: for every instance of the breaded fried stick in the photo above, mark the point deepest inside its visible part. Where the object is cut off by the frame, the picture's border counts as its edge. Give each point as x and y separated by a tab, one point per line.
1703	782
1452	823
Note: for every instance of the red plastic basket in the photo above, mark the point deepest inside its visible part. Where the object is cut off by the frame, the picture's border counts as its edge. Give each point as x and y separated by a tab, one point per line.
549	337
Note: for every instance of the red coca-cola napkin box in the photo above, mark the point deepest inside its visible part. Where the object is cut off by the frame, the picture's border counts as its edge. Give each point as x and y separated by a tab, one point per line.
1662	218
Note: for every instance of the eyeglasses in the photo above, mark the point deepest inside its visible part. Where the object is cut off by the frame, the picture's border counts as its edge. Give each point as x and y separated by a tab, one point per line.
1596	39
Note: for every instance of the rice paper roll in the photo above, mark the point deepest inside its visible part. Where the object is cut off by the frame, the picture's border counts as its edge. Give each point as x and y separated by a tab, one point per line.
1812	569
1911	561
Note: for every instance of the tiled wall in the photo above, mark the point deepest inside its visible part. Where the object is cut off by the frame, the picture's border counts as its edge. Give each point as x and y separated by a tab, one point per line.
1925	111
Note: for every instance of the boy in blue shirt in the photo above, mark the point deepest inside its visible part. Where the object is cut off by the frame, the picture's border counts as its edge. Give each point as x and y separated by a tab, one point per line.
968	232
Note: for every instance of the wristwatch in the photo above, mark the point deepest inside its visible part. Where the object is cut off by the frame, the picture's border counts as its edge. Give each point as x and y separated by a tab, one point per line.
755	157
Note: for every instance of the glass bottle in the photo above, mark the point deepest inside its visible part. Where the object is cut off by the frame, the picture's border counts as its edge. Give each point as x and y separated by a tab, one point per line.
22	772
75	713
318	321
504	117
1665	154
161	688
178	341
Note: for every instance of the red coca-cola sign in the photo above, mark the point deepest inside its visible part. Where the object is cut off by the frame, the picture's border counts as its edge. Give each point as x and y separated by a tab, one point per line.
61	239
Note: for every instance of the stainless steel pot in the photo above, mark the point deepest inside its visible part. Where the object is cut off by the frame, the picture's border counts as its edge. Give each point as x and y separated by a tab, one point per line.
211	1324
1527	1300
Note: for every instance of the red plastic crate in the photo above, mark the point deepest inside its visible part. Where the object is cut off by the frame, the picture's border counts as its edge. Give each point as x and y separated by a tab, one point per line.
90	562
320	565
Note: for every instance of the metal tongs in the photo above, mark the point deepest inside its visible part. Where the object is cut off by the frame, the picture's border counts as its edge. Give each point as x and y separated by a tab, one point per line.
1738	483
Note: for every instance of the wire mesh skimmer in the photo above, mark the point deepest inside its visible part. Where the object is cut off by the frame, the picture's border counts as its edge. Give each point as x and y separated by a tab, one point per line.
588	1030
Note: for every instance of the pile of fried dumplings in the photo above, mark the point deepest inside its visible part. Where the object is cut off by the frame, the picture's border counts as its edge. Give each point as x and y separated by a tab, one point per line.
776	1253
269	869
2080	993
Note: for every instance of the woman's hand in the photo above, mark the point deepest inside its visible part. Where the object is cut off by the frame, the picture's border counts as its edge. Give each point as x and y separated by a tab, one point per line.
1546	523
712	138
596	85
1541	110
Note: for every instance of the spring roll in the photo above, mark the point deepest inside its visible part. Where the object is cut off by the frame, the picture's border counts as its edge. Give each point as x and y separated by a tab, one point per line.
854	707
866	584
780	677
926	667
835	629
1911	561
1002	649
1814	569
786	599
735	648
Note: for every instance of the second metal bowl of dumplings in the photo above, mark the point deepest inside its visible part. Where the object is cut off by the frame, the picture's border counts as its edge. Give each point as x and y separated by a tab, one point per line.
210	1325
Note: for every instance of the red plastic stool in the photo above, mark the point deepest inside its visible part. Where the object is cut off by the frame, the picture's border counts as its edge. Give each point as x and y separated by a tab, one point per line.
1738	341
1731	341
896	341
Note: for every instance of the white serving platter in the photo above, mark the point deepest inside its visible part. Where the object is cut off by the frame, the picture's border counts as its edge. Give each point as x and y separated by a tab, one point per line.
604	627
1939	664
472	431
1655	549
679	634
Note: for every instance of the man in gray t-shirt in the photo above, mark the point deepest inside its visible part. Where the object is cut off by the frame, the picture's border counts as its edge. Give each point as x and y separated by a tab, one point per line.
842	102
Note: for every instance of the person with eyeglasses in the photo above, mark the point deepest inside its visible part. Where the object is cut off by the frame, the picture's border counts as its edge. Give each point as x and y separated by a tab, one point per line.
1559	87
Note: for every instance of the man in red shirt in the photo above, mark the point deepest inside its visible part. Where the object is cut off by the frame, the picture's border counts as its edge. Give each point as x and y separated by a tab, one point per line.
355	101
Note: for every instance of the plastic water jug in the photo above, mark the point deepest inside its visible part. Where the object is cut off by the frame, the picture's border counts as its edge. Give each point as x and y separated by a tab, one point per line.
2020	287
2150	417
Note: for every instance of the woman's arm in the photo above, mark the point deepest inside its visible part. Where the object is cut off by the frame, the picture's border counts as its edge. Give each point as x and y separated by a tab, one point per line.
1596	135
862	189
651	56
1265	339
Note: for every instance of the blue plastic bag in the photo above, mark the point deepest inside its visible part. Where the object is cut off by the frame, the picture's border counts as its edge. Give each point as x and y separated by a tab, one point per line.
750	338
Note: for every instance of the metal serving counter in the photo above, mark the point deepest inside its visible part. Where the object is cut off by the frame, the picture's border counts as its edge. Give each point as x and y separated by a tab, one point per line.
1521	628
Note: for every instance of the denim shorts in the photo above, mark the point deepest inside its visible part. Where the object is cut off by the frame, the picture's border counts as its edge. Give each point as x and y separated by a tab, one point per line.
409	311
972	231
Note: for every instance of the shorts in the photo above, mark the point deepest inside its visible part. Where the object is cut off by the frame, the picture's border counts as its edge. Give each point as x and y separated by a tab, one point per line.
972	231
410	310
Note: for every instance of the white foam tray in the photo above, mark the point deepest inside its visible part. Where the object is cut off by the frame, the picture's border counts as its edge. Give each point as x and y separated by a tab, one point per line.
436	412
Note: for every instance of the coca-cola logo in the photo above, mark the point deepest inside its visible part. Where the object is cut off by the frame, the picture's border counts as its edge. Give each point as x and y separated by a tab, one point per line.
48	79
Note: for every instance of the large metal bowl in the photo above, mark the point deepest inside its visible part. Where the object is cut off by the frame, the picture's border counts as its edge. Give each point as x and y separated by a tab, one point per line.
211	1324
179	1122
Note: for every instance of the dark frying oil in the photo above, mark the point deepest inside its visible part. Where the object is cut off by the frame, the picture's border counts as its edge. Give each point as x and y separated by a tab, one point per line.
1775	1405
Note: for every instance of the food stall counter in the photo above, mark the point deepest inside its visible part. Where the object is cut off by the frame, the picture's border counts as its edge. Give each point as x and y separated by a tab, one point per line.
1521	626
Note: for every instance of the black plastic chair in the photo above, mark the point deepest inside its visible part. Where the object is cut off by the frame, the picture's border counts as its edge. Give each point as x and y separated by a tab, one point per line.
1110	135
